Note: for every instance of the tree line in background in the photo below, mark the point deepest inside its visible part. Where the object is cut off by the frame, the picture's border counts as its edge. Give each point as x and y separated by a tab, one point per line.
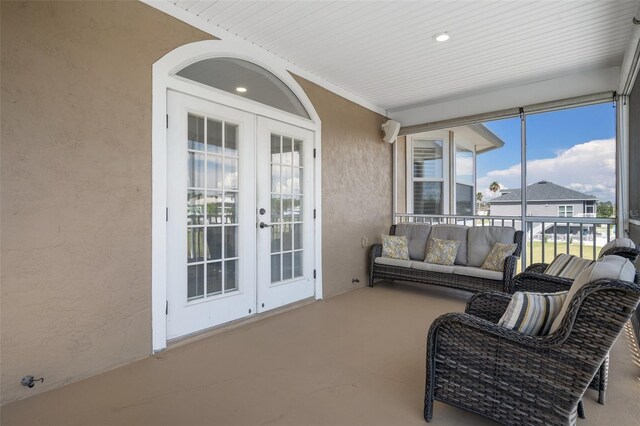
605	209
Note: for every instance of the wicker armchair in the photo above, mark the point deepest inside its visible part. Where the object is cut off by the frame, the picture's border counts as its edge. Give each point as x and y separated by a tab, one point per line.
534	279
518	379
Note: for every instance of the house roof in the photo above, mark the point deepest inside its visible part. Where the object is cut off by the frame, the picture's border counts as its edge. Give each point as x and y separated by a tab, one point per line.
477	135
542	191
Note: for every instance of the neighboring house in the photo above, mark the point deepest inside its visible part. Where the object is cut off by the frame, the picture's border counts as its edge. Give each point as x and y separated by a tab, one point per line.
441	178
546	199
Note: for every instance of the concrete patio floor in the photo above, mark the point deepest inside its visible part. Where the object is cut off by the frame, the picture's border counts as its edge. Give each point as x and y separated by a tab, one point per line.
355	359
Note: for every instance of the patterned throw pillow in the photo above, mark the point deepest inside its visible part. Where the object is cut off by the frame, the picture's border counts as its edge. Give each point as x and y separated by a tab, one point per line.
533	313
442	252
567	266
495	259
395	247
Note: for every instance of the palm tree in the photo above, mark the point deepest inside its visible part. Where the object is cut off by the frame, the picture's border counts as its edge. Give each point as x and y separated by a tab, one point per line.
494	187
479	197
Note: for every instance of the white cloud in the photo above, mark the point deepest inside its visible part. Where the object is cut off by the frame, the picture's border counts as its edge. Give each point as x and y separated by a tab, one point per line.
587	167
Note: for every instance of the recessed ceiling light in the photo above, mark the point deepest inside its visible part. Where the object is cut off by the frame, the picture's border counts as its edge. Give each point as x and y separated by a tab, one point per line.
241	89
442	36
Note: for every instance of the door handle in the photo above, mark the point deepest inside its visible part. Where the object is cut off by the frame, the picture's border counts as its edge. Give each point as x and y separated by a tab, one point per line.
264	225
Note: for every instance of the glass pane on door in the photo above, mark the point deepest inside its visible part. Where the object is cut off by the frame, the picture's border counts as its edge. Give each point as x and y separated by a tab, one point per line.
286	208
212	205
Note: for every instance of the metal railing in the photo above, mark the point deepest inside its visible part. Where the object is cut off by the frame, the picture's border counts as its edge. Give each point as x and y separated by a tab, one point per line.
545	237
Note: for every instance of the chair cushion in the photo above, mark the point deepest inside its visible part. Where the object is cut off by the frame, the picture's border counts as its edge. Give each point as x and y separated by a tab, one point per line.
442	252
395	247
495	259
532	313
567	266
609	267
417	235
618	242
452	232
482	238
432	267
472	271
393	262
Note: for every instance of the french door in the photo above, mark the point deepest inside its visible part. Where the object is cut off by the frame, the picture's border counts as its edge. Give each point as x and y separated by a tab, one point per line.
285	214
239	229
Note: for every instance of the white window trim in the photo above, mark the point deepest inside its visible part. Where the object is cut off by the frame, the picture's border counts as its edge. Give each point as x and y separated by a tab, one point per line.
432	136
163	79
565	210
454	151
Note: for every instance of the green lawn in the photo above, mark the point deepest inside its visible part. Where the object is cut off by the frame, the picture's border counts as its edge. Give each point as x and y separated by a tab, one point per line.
549	255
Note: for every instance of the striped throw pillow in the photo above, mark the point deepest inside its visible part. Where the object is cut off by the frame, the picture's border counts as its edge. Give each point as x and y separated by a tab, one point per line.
567	266
532	313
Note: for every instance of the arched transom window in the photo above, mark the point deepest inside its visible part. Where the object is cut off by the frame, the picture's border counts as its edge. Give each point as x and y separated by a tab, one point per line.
245	79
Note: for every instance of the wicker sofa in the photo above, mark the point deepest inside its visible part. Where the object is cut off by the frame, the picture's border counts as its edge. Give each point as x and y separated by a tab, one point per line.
466	274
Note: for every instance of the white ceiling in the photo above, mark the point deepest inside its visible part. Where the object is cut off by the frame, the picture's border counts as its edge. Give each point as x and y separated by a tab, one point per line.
383	52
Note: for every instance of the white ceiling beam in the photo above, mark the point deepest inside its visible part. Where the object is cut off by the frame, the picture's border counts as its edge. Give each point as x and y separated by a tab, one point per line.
568	86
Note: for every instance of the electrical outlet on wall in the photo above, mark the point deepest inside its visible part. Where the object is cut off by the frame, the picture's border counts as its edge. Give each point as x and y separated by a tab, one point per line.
365	242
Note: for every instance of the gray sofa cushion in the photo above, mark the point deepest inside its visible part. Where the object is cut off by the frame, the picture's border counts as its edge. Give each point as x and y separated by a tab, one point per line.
393	262
471	271
482	238
417	234
453	232
432	267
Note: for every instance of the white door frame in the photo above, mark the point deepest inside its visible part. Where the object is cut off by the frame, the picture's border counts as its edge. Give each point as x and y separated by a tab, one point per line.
163	79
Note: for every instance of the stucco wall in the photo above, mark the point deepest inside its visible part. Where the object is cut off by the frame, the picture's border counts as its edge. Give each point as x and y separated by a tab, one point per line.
634	153
76	186
634	179
356	186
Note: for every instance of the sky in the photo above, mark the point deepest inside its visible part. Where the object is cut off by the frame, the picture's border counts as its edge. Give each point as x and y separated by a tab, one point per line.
572	147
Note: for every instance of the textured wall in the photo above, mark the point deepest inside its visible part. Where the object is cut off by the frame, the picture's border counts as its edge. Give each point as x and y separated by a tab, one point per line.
634	179
356	186
76	185
634	152
401	174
